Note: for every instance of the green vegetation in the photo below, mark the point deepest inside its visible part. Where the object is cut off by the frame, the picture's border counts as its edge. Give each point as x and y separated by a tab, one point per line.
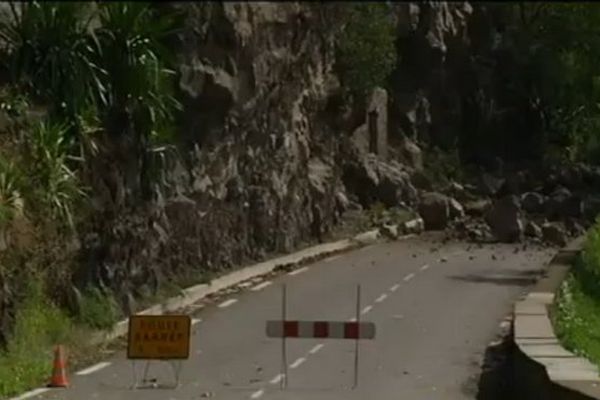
98	72
39	326
366	48
577	312
98	310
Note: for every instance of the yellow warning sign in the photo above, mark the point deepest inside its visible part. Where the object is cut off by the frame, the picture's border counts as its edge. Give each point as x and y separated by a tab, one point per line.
159	337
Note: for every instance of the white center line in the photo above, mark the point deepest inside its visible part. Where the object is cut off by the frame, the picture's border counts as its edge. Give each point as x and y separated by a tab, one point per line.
93	368
261	286
394	288
227	303
316	349
257	394
366	309
32	393
381	298
409	277
276	380
424	267
297	363
298	271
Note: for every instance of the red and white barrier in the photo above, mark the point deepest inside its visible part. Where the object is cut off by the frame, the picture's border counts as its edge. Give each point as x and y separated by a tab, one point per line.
320	329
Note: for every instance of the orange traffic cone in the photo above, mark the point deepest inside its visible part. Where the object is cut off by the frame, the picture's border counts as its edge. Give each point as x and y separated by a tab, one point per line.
59	373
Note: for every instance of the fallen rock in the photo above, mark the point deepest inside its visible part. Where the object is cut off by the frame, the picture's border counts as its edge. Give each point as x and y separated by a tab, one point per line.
533	202
477	208
411	154
489	184
390	231
573	227
533	230
434	208
554	233
504	219
562	203
456	209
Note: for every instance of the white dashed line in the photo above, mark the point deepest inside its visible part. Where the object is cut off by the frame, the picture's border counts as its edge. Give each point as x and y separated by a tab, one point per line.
31	394
366	309
381	298
276	380
93	368
394	288
257	394
298	271
317	348
261	286
409	277
424	267
227	303
297	363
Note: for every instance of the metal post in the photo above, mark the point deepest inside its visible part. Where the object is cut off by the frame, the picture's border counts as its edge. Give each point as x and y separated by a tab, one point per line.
284	380
135	379
357	337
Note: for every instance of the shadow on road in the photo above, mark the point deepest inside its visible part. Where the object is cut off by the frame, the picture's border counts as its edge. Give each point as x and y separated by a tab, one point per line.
495	381
506	278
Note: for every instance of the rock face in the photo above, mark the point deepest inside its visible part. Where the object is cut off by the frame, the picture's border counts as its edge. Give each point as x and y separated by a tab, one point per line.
504	219
554	233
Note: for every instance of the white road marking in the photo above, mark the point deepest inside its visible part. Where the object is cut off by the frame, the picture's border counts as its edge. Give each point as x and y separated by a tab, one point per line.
353	319
297	363
276	380
424	267
298	271
409	277
261	286
316	349
257	394
381	298
32	393
330	259
366	309
93	368
227	303
394	288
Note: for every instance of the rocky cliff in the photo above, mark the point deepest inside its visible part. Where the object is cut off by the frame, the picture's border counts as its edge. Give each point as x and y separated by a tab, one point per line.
270	157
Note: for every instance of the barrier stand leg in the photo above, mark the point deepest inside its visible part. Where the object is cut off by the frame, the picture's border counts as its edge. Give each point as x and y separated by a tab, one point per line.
284	369
146	369
135	380
176	365
357	338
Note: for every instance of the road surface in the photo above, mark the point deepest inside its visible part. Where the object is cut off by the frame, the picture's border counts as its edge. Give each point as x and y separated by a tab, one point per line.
435	311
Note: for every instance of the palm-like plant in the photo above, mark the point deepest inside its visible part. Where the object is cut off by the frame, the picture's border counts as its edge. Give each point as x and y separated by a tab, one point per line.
129	49
53	182
47	51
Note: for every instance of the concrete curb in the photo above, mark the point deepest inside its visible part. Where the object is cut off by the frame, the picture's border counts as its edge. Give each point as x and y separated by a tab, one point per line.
196	293
543	368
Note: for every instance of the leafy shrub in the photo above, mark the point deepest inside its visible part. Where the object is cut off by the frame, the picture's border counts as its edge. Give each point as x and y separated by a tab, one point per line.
39	326
98	310
366	47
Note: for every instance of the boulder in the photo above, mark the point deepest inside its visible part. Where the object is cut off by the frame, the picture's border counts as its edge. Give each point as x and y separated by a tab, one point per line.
434	208
554	233
562	203
489	185
411	154
504	219
533	202
457	211
477	208
533	230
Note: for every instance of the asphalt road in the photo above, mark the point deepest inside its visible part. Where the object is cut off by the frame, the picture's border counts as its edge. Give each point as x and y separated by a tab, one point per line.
435	312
